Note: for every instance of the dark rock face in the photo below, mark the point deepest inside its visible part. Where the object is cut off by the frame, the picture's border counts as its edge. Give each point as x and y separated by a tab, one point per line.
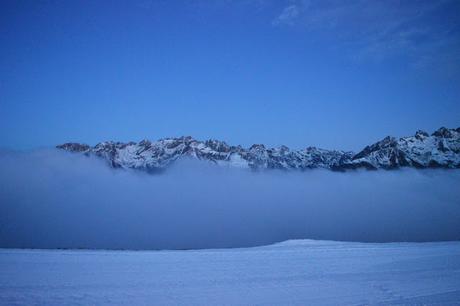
74	147
384	146
440	150
444	132
421	134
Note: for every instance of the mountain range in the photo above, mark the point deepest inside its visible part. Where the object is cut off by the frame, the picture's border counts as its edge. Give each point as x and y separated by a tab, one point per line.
441	149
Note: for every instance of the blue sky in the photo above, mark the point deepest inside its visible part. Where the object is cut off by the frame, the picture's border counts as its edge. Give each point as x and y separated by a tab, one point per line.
328	73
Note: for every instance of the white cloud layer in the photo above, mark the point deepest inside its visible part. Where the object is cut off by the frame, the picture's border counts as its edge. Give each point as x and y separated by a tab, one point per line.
51	199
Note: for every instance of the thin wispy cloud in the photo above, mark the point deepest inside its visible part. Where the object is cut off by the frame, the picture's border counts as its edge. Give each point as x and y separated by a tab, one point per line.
422	30
288	16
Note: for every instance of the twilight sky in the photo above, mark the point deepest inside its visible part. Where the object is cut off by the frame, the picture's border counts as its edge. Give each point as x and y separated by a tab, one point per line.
329	73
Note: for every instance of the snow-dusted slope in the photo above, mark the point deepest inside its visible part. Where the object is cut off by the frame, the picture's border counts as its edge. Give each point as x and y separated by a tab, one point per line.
152	156
302	272
439	150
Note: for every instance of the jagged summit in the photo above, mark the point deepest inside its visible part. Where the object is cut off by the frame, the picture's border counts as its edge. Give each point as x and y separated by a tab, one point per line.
438	150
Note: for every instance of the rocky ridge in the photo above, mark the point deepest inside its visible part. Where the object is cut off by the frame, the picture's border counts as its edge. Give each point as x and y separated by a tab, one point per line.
441	149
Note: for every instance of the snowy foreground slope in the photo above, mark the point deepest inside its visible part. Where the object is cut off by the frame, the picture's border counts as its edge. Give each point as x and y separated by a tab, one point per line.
441	149
298	272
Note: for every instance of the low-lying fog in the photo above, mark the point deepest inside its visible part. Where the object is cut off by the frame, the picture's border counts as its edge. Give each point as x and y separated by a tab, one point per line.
52	199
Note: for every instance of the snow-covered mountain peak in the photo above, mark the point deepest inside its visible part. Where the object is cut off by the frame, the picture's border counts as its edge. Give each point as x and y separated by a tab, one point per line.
438	150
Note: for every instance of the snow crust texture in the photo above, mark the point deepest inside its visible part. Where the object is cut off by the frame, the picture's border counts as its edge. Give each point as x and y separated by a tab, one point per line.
441	149
304	272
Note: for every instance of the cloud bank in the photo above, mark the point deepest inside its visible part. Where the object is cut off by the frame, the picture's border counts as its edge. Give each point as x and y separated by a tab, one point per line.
52	199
